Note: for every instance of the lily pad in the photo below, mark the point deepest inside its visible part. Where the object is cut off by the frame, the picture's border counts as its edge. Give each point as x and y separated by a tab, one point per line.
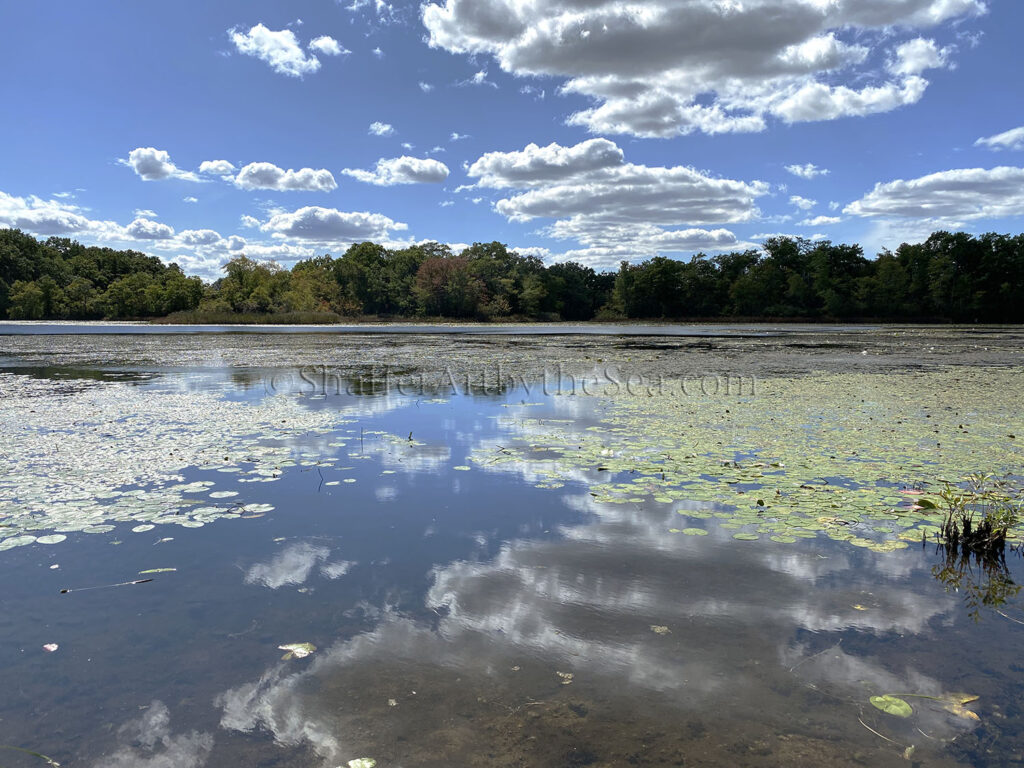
892	705
297	650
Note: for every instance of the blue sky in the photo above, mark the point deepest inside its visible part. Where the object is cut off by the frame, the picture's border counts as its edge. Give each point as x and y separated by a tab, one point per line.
594	131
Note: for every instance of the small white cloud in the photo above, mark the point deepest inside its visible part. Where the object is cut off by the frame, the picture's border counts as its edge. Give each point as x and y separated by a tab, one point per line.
327	46
407	145
199	236
479	78
803	203
426	87
190	199
145	213
807	171
833	206
280	49
145	229
916	56
1012	139
378	52
329	224
456	136
446	203
820	221
249	221
402	170
381	129
217	167
155	164
269	176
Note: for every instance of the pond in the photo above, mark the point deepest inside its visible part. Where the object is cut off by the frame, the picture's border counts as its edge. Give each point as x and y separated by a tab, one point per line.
308	550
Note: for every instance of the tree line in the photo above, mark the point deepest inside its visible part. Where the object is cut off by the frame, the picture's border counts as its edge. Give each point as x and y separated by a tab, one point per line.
950	276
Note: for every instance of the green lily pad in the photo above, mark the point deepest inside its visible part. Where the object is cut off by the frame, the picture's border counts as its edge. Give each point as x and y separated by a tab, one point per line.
694	532
892	705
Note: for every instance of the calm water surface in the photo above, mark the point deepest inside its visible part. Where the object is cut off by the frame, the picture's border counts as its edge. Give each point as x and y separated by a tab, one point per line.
463	616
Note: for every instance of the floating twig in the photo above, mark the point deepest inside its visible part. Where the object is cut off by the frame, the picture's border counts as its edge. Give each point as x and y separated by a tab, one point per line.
49	760
106	586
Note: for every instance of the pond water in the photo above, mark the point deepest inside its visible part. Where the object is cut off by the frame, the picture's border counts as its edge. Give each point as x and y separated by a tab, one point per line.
496	576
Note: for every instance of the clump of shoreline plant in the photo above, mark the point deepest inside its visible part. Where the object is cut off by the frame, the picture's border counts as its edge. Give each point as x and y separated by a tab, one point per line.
980	515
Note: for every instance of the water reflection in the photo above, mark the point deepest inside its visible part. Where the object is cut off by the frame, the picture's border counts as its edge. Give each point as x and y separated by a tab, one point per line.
634	616
147	742
294	565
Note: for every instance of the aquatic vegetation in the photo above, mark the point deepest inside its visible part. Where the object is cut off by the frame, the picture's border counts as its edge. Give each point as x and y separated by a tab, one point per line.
980	517
83	459
825	454
296	650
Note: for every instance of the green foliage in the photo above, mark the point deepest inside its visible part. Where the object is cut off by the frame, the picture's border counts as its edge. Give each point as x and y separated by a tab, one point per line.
62	279
949	277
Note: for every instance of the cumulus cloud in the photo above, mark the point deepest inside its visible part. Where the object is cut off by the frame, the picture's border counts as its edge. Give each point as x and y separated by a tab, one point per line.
327	46
402	170
269	176
807	171
199	236
426	87
146	229
381	129
280	49
948	196
916	56
1011	139
155	164
217	167
802	203
331	225
49	217
661	68
613	208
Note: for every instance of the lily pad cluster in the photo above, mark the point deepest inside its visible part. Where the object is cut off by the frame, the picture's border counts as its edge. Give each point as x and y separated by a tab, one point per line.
83	459
831	454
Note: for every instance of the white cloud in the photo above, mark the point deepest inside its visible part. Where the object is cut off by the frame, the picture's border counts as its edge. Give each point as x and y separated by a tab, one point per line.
614	208
802	202
1011	139
217	167
948	196
145	213
50	217
479	78
807	171
280	49
426	87
384	13
381	129
146	229
199	236
402	170
269	176
456	136
378	52
190	199
820	221
327	46
918	55
663	67
331	225
535	165
155	164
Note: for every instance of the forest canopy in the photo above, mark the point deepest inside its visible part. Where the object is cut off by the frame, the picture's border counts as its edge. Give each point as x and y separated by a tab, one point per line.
949	277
